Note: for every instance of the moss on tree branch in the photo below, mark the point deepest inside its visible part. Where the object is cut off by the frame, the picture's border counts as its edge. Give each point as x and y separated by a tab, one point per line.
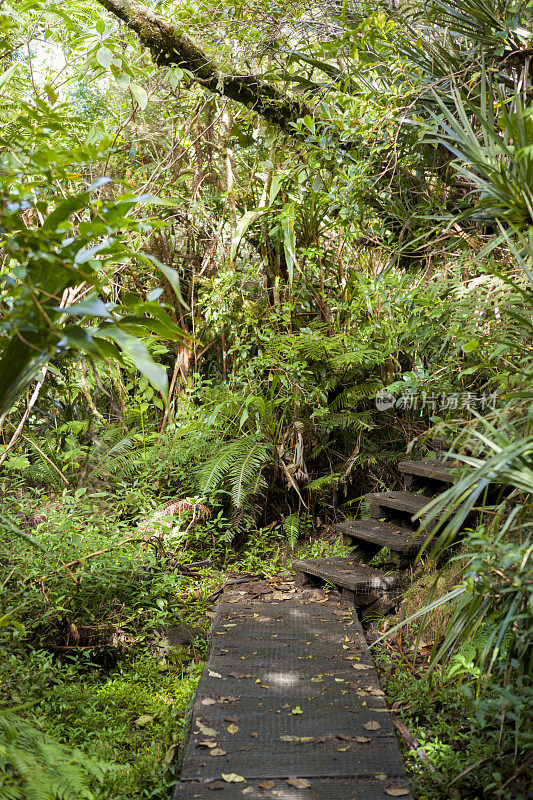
171	48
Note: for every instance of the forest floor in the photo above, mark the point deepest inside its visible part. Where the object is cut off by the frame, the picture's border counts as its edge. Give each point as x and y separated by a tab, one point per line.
121	691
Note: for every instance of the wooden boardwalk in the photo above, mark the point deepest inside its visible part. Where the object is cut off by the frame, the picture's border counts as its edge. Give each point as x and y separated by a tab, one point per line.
289	707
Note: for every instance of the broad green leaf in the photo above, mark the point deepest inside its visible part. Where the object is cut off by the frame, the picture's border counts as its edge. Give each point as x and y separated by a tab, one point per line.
91	307
7	75
104	56
123	81
244	223
140	356
275	187
140	95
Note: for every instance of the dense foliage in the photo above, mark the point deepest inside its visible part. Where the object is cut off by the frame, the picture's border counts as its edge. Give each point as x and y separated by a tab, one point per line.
216	251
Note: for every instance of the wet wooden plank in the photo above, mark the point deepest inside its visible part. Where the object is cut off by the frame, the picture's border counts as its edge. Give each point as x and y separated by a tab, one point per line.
434	469
290	692
384	534
408	503
348	573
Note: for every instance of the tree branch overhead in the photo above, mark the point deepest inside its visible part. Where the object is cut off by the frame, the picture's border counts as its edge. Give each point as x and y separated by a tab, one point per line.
168	47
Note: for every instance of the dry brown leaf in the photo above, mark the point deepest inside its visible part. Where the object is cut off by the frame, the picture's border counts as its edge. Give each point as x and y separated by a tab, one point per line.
361	666
362	739
298	739
169	755
217	752
254	735
207	701
372	725
267	784
232	777
232	728
206	743
397	791
299	783
144	720
205	730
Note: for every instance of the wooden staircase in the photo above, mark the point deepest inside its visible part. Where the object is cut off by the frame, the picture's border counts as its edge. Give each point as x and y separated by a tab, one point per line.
391	525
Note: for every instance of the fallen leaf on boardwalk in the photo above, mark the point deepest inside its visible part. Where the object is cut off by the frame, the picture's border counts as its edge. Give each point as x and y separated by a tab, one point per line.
232	728
248	790
342	749
344	737
254	735
230	624
362	739
144	720
267	785
229	698
281	596
299	783
372	725
217	752
205	730
381	776
207	701
206	743
231	719
361	666
236	675
397	791
214	674
297	710
297	738
232	777
215	785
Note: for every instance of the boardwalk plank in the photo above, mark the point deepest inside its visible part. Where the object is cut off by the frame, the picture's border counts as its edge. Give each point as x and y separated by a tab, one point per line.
290	690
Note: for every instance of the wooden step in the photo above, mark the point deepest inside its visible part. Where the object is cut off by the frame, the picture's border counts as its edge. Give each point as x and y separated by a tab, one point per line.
383	534
361	584
432	469
408	503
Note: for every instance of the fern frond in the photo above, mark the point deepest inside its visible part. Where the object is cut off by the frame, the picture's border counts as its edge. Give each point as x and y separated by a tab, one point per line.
245	472
211	473
36	767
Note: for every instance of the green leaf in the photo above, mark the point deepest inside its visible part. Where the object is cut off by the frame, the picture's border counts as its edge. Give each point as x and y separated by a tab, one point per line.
289	242
140	95
104	56
244	223
6	76
140	356
92	307
123	80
